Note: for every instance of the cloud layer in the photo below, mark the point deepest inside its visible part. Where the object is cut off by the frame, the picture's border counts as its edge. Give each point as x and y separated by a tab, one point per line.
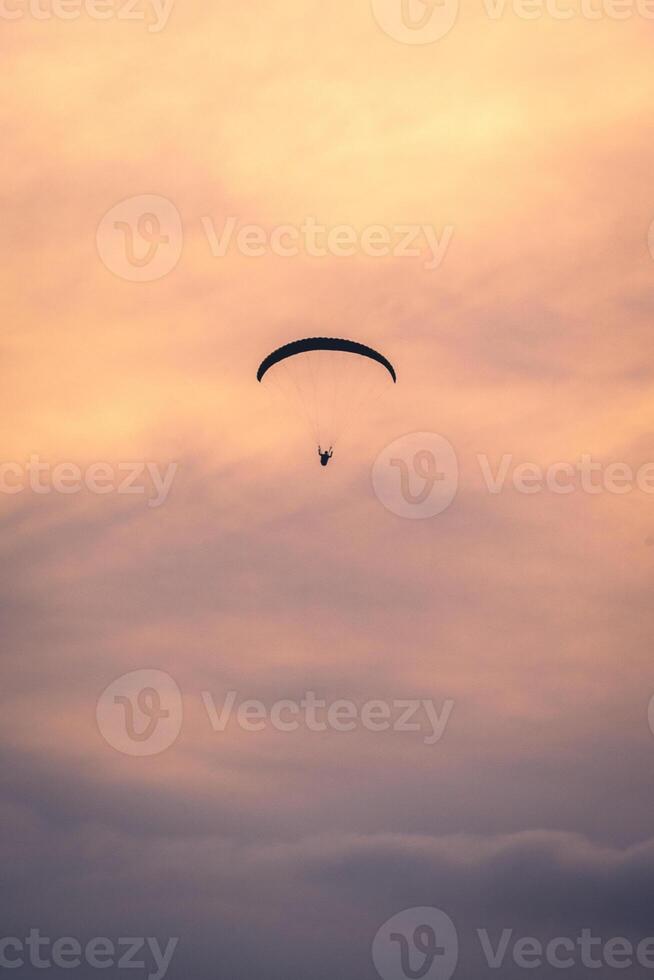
273	854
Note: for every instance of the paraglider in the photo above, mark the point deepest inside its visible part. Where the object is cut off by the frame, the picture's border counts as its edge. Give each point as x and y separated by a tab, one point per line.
329	380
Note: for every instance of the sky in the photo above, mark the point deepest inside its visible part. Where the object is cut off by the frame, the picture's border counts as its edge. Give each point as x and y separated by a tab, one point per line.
163	171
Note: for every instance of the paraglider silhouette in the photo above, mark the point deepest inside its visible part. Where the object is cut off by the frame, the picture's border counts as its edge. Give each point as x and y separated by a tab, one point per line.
329	380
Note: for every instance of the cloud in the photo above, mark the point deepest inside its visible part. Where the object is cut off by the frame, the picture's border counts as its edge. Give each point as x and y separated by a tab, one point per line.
273	855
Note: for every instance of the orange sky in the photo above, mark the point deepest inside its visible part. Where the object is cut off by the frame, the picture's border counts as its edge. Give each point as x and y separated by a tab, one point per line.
530	140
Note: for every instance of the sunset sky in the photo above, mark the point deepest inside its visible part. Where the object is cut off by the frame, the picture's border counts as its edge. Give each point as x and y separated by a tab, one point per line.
525	146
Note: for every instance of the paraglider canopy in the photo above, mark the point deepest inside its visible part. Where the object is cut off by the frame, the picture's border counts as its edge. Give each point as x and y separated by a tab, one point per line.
323	343
328	380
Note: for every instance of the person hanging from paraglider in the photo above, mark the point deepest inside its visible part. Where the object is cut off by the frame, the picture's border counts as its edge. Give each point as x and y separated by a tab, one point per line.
330	377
